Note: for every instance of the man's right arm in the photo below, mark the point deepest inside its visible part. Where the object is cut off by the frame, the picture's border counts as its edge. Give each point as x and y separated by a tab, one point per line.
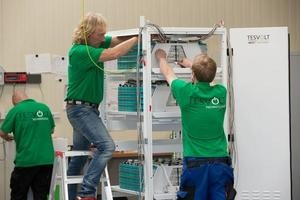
165	68
118	50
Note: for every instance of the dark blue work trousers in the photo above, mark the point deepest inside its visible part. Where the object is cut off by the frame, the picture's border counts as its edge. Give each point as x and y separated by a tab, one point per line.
205	180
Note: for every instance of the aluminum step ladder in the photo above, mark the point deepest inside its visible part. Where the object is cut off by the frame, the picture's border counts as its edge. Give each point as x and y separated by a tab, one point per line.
59	176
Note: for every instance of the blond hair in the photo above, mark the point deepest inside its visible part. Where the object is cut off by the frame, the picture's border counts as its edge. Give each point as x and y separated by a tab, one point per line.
87	26
204	68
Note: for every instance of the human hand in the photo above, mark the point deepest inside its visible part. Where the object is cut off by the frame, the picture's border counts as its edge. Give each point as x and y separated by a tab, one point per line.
160	54
154	37
8	137
186	63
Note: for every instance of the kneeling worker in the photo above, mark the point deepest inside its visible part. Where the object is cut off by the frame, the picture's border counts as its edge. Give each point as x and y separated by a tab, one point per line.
207	172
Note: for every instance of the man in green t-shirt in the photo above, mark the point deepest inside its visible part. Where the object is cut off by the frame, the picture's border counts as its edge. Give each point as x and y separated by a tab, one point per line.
90	49
31	124
207	171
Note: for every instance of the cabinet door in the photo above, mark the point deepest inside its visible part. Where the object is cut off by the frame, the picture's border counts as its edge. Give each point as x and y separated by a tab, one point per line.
262	113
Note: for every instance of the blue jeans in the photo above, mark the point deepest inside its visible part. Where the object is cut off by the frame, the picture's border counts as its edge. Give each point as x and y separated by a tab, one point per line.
88	129
205	182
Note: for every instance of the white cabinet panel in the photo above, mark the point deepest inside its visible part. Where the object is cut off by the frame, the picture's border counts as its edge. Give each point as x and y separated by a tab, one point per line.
262	115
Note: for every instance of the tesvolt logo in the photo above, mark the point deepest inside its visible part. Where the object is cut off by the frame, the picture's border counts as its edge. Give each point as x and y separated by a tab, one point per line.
39	113
258	39
215	101
35	116
209	102
40	116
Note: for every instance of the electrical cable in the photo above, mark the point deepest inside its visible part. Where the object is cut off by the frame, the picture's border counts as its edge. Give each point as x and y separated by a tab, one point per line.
210	33
166	175
164	38
161	34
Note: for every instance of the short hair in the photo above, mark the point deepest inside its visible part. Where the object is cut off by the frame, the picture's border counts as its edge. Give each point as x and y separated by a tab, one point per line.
204	68
87	26
18	96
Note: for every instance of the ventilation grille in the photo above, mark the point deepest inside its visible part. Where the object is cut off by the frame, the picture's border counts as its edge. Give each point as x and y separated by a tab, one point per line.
260	195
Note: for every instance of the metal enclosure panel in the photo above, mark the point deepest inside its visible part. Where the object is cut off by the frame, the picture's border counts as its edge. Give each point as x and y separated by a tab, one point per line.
295	125
262	115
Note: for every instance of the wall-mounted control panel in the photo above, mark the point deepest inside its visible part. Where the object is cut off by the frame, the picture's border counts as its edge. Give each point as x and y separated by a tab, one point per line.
21	77
15	77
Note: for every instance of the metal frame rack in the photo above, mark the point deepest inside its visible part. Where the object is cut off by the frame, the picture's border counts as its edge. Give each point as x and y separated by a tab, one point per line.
150	120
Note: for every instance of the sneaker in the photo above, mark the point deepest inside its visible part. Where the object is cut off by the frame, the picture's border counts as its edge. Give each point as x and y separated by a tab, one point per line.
86	198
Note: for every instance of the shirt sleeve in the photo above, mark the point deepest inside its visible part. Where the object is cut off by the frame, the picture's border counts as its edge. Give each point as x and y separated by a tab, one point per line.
8	123
85	57
176	86
180	91
107	42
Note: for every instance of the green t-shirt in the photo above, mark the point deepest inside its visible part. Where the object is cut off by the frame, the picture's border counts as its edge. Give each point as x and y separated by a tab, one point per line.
31	123
85	79
202	110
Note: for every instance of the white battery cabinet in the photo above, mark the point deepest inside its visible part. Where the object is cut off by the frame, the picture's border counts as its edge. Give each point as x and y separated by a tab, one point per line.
262	112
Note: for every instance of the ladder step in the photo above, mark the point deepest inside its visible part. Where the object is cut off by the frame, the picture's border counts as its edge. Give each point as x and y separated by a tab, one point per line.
71	179
77	153
74	180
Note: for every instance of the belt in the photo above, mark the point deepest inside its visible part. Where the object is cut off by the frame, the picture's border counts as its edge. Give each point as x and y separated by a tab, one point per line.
202	161
77	102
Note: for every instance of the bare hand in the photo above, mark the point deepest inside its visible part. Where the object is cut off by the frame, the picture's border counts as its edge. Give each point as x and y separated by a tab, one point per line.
186	63
9	137
160	54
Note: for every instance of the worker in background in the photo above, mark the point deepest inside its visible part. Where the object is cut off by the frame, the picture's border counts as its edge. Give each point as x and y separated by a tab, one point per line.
91	48
207	173
31	124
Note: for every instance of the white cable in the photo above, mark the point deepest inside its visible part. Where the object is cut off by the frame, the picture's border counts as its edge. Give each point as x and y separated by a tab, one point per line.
166	175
